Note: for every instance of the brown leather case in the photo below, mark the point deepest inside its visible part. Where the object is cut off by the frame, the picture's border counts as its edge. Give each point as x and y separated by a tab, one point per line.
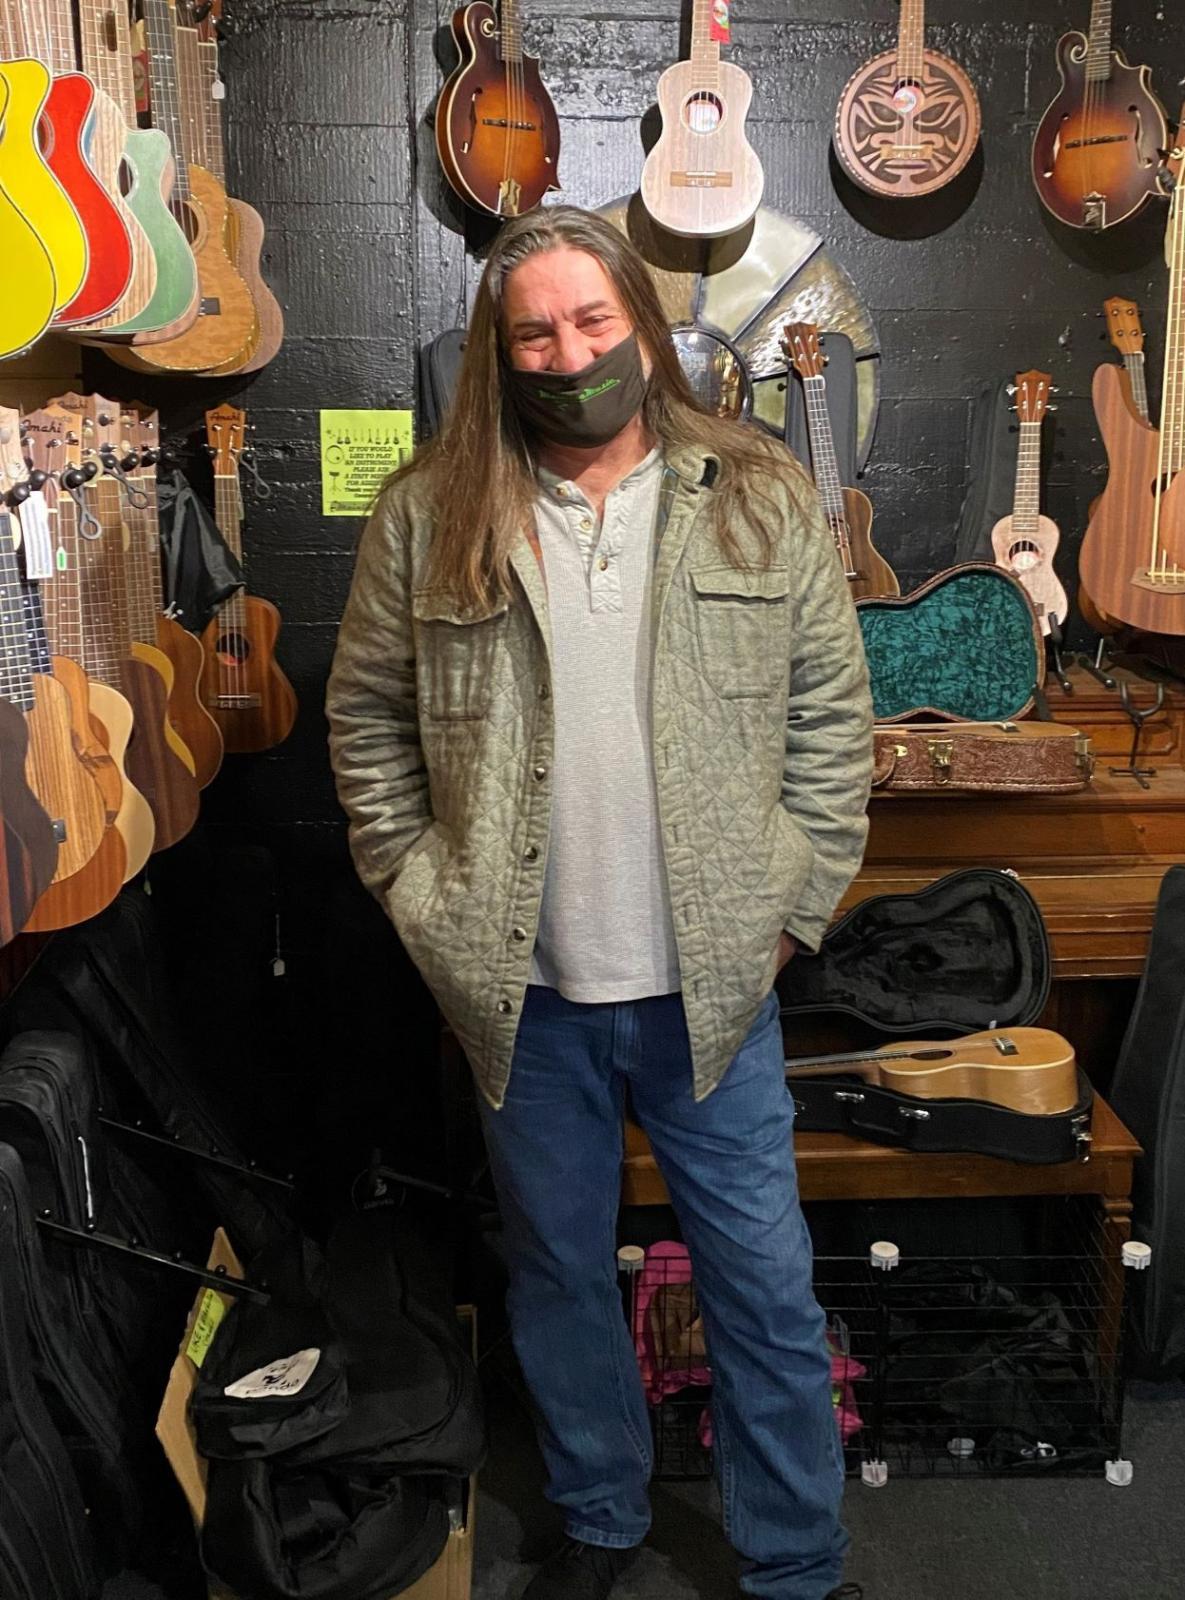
981	758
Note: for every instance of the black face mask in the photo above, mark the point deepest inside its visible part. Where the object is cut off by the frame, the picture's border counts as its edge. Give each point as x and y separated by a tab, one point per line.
584	408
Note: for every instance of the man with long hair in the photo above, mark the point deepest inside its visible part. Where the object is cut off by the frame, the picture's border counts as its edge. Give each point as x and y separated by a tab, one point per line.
600	722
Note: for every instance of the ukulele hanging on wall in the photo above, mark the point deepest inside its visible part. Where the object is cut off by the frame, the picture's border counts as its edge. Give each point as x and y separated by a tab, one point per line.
1096	154
703	178
497	133
909	119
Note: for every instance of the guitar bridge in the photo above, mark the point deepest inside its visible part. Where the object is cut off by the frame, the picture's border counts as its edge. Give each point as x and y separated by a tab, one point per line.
1006	1046
235	702
701	180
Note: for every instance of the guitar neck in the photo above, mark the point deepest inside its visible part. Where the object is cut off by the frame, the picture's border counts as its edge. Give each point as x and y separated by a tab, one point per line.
1133	360
228	514
1172	403
911	33
705	51
825	465
106	39
59	34
38	28
510	39
1026	501
160	21
1098	53
16	669
35	622
212	145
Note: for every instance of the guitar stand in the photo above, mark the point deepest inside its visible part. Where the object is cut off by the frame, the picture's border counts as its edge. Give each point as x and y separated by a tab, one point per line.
1056	639
215	1278
1098	666
1041	702
1138	719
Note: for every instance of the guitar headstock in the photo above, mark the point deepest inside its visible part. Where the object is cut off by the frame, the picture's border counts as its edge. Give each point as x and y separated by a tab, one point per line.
226	432
13	469
1032	392
800	341
52	444
1124	328
204	15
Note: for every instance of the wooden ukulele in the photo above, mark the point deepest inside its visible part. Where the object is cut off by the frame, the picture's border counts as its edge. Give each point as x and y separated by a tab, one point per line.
162	300
1024	542
42	29
1126	333
54	449
848	511
703	178
1096	153
201	101
73	896
226	326
908	120
1023	1069
497	133
1132	554
247	693
156	761
182	649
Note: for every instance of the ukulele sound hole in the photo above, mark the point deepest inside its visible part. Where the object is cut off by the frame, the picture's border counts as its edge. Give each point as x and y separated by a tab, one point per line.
233	650
1024	556
703	112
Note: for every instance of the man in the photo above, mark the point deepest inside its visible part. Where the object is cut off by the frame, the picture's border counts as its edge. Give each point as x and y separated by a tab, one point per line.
600	722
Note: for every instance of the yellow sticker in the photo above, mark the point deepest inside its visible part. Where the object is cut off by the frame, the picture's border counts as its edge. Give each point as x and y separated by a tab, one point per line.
358	450
209	1317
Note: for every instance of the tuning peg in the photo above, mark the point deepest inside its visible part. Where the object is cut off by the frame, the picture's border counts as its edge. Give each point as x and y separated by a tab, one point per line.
1051	408
1010	388
1054	389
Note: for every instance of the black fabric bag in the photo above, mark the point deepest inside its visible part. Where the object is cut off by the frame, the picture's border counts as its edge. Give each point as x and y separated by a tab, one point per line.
45	1538
967	953
201	571
991	482
440	367
338	1489
106	983
1148	1093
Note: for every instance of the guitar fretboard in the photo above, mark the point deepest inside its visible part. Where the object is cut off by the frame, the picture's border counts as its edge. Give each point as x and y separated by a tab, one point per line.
1026	501
160	21
16	668
911	34
1171	449
107	52
510	42
228	514
1133	360
705	51
1098	53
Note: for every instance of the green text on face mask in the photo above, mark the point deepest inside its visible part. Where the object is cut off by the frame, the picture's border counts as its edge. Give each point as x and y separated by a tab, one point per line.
585	394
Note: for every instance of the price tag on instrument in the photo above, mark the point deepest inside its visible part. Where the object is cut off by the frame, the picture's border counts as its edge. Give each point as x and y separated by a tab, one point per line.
211	1310
36	537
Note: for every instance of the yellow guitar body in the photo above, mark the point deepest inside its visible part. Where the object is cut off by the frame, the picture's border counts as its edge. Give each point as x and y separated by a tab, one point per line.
31	186
28	293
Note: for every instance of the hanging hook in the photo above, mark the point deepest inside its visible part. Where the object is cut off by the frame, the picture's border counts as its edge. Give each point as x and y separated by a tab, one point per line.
74	480
115	469
261	486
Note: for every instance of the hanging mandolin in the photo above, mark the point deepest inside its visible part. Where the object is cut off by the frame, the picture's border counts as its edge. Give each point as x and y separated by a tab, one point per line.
908	120
1096	153
497	133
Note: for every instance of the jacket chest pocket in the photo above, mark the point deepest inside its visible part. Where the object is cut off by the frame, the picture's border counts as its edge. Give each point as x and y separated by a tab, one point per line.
454	655
741	620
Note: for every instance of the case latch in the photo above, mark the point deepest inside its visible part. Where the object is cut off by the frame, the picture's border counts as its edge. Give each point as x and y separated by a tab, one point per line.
941	751
1084	754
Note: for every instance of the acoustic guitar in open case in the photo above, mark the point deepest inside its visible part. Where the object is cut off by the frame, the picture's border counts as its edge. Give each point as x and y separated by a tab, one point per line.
909	119
1097	149
497	132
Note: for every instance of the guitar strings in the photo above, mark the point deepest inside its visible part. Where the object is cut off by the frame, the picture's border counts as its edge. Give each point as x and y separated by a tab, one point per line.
1170	399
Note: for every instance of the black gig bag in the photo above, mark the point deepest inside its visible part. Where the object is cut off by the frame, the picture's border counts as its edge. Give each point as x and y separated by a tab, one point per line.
966	953
440	367
45	1538
1148	1093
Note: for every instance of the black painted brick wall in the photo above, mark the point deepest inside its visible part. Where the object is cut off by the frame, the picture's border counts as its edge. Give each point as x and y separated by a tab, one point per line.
330	137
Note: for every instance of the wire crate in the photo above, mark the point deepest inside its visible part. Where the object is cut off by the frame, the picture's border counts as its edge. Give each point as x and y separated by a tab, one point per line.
985	1364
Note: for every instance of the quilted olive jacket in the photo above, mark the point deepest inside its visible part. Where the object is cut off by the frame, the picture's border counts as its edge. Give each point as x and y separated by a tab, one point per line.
441	738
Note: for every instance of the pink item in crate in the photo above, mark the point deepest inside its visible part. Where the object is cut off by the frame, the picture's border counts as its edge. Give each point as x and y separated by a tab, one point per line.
668	1339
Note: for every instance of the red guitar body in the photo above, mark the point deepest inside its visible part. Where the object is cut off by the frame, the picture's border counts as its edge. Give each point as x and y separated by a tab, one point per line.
64	132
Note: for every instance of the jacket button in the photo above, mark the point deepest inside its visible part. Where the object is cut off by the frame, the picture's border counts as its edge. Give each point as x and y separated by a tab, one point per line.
504	1007
544	691
518	935
531	853
540	773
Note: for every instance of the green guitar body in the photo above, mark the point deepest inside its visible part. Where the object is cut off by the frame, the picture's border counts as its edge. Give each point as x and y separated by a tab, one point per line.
150	159
965	646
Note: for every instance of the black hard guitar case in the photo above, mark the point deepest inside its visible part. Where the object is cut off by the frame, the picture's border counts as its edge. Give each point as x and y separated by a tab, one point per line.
840	392
440	366
966	953
1148	1093
45	1538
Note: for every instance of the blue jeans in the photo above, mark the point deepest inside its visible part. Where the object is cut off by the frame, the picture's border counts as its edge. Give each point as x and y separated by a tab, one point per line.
556	1151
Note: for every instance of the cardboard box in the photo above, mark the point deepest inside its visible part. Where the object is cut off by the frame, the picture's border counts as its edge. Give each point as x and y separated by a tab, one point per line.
452	1575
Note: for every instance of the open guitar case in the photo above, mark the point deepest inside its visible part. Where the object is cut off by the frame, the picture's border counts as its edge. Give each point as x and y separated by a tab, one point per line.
966	953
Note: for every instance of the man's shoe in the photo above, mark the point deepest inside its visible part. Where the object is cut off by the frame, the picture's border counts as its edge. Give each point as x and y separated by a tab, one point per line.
579	1572
847	1591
